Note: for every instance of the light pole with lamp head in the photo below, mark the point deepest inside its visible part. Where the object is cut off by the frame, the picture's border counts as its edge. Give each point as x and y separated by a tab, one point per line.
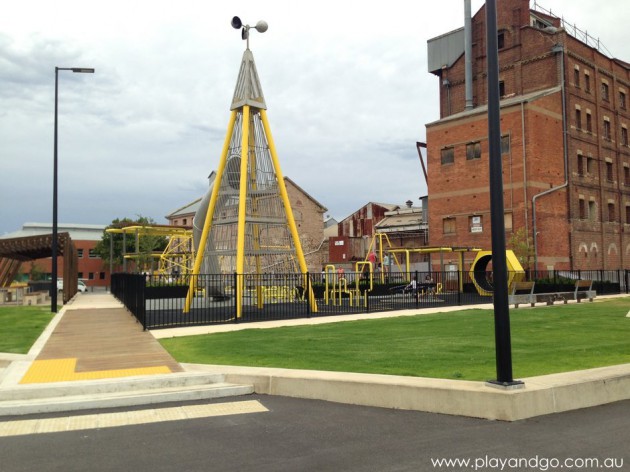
53	294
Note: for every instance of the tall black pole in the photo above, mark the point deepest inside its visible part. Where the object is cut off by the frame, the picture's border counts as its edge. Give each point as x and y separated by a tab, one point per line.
55	243
53	277
499	263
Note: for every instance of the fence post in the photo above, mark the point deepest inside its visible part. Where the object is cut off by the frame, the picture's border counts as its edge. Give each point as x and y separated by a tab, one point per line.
459	284
142	304
417	288
236	291
307	293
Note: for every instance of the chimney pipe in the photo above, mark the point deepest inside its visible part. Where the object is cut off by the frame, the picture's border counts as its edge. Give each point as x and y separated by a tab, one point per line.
468	54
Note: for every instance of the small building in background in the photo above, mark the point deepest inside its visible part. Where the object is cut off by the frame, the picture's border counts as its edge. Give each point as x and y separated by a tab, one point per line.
399	227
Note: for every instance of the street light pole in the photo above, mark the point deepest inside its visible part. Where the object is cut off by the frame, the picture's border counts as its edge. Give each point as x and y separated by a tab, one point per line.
54	270
502	335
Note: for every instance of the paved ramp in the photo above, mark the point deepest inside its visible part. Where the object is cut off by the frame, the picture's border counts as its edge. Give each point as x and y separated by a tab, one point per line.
90	343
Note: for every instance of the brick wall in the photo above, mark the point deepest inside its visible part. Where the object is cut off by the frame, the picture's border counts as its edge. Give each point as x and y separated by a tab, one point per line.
532	104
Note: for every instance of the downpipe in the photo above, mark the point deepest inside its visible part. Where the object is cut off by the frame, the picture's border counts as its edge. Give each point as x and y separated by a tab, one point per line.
557	49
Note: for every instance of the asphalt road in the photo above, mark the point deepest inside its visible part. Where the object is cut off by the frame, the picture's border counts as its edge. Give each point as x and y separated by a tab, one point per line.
306	435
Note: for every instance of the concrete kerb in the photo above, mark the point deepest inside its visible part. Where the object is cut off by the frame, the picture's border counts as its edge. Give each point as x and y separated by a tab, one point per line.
540	395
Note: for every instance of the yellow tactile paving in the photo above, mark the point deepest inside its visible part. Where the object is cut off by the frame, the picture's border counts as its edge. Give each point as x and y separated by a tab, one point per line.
64	370
112	420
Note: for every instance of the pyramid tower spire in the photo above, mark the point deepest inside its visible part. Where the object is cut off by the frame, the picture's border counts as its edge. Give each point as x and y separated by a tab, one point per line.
248	223
248	90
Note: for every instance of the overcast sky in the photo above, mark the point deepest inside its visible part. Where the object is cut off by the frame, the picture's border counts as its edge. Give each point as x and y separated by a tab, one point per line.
345	82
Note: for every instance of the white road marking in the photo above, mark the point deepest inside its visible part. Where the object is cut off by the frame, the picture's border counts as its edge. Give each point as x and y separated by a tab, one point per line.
116	419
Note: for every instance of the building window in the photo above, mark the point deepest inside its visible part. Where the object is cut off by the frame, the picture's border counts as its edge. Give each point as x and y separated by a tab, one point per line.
590	165
624	136
447	155
502	89
449	226
592	210
93	254
507	221
91	276
582	209
628	214
607	134
589	122
622	99
580	164
578	118
80	253
626	176
611	212
501	40
184	222
609	172
473	151
101	275
505	144
576	76
587	83
80	275
605	95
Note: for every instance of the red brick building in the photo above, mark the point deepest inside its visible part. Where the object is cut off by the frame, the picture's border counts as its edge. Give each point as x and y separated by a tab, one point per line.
565	149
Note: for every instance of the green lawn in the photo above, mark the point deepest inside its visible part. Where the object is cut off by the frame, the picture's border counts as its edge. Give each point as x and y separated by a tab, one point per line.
20	326
456	345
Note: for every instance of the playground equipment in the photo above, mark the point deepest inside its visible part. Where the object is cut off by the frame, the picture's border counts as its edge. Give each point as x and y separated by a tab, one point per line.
479	273
376	244
245	224
459	251
336	284
178	255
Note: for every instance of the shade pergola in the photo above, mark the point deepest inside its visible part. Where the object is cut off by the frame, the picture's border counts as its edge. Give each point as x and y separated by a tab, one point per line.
15	251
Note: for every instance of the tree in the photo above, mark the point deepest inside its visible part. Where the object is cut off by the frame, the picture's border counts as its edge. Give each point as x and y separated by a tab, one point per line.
522	246
147	244
36	272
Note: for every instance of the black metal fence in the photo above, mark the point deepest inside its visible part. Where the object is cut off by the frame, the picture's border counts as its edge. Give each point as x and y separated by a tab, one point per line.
161	301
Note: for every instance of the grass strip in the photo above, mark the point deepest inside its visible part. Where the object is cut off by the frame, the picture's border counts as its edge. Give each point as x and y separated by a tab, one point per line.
455	345
20	326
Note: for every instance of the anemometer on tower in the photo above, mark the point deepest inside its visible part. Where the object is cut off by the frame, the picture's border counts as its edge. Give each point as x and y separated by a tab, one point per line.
261	27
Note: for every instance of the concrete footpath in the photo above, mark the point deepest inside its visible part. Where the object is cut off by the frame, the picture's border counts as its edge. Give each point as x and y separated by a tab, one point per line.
94	355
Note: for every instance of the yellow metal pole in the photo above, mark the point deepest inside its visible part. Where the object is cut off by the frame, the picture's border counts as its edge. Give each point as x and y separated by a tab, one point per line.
242	207
287	206
209	214
255	226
